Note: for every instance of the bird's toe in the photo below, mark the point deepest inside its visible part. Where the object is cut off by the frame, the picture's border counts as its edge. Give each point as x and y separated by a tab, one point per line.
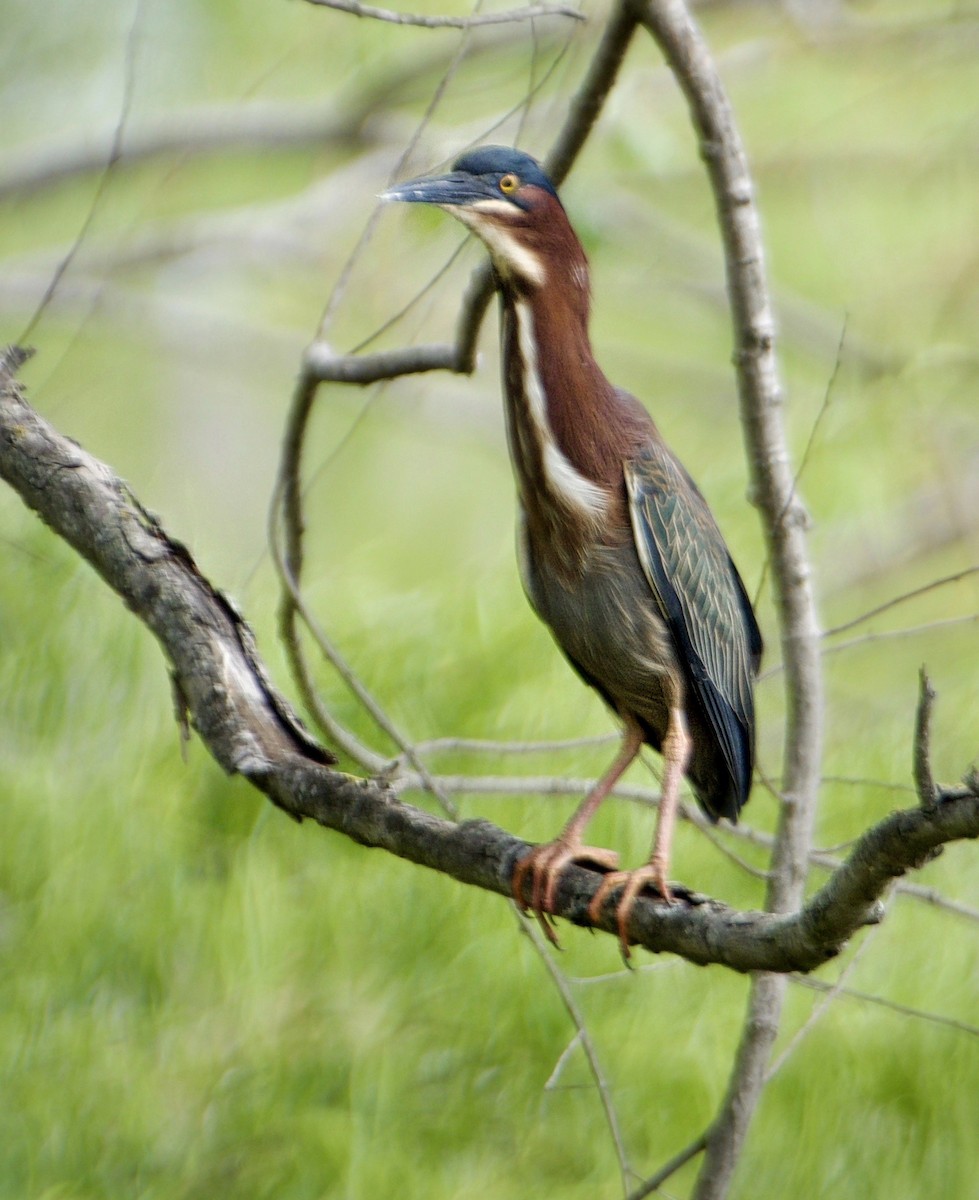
632	884
545	865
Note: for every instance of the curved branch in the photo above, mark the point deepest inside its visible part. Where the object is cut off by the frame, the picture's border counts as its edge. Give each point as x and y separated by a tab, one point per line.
322	365
251	730
784	516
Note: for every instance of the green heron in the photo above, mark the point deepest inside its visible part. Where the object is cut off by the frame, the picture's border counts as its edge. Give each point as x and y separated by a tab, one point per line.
619	554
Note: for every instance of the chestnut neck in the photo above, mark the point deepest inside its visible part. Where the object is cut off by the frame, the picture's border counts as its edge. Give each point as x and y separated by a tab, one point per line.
594	426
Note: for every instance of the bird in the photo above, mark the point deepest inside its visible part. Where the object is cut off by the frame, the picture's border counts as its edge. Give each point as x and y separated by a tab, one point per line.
619	553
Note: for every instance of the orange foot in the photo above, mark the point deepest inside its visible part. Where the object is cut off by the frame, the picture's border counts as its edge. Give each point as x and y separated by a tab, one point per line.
546	864
654	872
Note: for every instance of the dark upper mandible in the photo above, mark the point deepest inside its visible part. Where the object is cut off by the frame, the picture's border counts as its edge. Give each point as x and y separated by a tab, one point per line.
476	175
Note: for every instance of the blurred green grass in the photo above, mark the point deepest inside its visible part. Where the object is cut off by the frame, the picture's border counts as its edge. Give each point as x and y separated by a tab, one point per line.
198	997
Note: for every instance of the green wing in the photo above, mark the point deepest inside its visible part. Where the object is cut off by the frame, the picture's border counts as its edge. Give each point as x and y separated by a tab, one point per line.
701	596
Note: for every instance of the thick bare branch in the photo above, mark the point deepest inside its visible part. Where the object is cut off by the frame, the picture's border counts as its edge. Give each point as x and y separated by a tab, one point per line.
784	516
251	730
784	523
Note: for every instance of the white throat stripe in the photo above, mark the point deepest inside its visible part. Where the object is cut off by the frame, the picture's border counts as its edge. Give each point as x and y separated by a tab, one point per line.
509	257
565	480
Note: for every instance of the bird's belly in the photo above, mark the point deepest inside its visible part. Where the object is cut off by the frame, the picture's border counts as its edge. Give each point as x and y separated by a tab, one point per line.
607	623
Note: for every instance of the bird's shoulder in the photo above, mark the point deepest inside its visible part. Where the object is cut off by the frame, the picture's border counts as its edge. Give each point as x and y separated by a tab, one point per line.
685	557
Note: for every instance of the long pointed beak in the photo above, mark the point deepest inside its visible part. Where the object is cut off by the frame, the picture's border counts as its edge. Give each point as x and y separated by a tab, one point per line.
455	190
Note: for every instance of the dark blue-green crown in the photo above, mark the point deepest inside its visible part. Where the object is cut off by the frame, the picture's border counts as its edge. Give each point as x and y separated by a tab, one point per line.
504	160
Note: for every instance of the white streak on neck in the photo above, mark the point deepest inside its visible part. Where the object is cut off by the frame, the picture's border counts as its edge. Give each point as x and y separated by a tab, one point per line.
566	482
486	218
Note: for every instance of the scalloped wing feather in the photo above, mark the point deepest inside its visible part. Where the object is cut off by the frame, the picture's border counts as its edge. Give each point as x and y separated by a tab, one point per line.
704	602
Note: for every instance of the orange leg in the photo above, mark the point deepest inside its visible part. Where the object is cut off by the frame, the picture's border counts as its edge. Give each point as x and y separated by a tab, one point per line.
676	755
546	862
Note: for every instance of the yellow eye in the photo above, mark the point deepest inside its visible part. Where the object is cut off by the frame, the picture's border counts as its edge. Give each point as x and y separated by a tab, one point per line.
509	184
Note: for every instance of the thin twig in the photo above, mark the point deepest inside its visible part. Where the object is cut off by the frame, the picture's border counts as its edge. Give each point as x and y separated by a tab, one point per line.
894	634
587	103
830	993
906	1010
346	271
507	16
930	895
323	365
460	745
625	973
808	448
367	701
551	1082
336	733
215	128
530	785
395	318
655	1182
866	783
709	832
886	635
560	981
287	502
115	150
902	599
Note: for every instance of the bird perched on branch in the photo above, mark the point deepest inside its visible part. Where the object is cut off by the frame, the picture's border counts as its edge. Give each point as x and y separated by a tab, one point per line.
619	553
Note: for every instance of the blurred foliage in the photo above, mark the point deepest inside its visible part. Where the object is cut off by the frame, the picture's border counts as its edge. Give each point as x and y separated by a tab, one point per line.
198	997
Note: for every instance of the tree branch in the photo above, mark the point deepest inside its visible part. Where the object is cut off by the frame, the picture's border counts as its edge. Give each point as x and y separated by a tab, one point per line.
322	365
923	781
531	13
250	729
784	523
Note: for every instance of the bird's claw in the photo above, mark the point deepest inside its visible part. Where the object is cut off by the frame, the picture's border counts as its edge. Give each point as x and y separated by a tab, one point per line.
546	863
632	883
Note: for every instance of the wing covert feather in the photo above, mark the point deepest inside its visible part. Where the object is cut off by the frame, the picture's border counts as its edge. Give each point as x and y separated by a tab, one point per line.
702	598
